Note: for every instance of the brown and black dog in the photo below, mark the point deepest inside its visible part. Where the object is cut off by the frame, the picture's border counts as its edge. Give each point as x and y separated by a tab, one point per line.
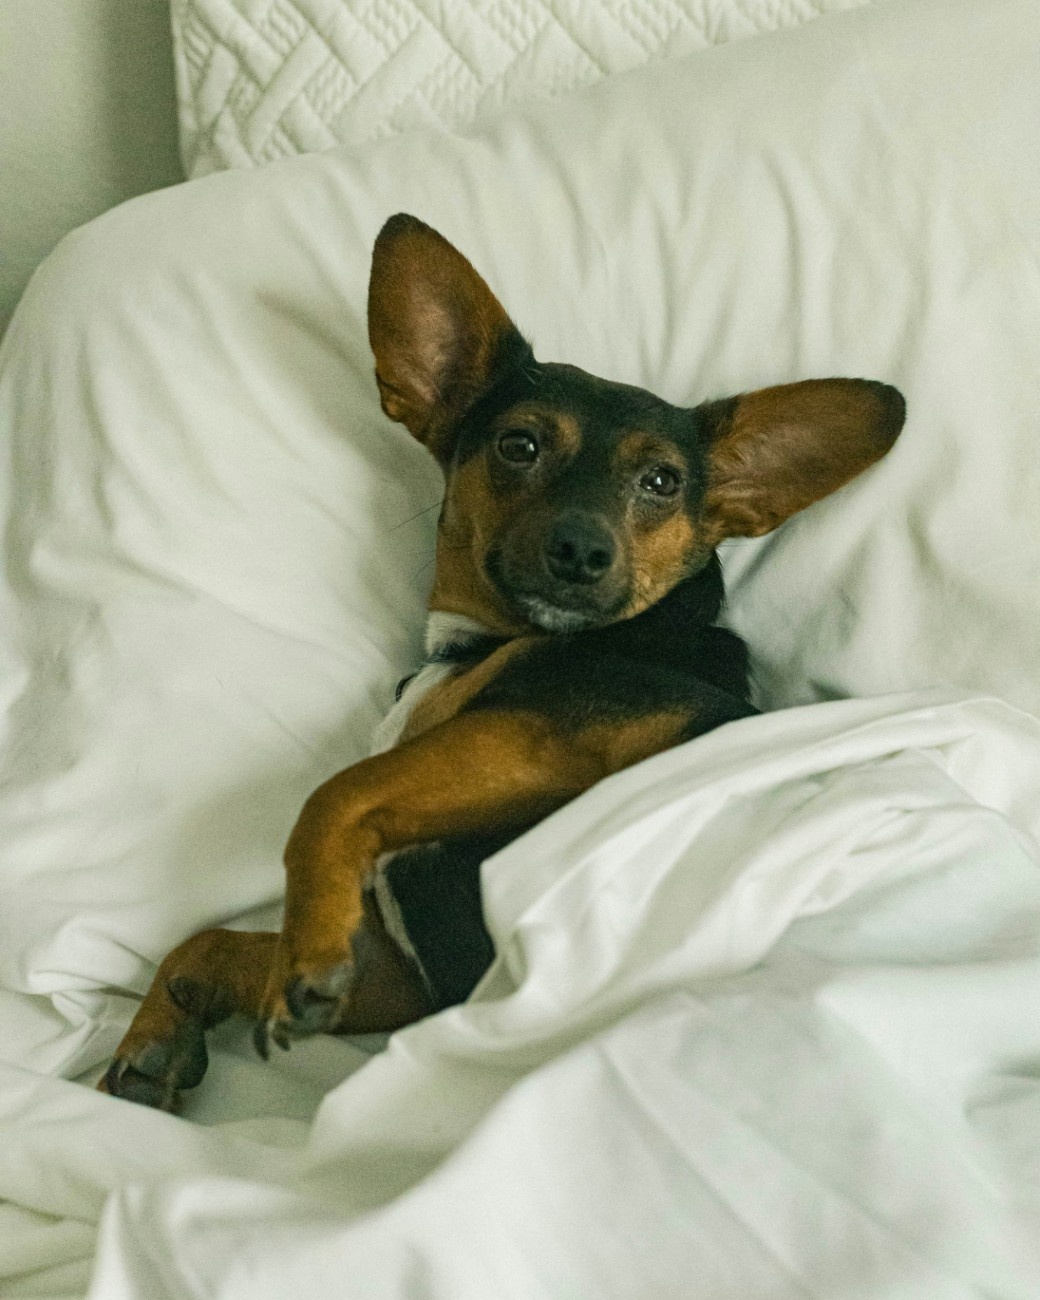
571	635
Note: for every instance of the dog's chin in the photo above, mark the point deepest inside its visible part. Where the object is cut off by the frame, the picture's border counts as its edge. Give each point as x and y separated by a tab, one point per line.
570	611
548	617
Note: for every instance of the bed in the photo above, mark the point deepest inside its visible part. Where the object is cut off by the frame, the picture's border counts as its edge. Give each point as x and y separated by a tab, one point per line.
763	1020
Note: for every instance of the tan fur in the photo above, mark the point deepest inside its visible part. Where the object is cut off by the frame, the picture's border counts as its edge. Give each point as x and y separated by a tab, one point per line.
470	517
416	304
447	698
563	430
660	558
787	446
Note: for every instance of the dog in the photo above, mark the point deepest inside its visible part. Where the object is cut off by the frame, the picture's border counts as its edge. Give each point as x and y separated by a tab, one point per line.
572	633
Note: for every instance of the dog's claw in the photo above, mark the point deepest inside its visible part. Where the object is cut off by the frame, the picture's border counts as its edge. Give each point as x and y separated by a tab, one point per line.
260	1040
296	997
272	1030
156	1063
306	1004
158	1071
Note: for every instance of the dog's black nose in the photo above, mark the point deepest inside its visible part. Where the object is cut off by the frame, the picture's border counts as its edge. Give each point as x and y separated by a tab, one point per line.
579	548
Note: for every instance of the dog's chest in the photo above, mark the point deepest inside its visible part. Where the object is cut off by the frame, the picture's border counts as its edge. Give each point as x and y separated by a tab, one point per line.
447	638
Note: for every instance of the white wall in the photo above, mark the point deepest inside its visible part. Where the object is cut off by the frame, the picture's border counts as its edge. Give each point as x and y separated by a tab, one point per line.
87	119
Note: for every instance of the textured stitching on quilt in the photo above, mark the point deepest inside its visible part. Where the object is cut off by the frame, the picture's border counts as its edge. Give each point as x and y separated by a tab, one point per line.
197	41
447	84
300	63
450	40
243	97
329	90
649	25
515	22
284	27
388	23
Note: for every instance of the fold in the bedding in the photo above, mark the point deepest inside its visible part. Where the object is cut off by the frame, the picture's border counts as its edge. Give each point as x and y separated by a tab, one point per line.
759	1014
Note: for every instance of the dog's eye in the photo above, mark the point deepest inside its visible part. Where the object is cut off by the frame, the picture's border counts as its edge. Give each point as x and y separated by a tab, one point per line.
661	482
519	448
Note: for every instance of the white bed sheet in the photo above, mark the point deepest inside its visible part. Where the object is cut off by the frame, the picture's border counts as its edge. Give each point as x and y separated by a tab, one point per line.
780	979
758	1028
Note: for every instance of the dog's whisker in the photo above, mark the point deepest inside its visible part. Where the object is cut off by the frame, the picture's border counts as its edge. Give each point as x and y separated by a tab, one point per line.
420	571
411	518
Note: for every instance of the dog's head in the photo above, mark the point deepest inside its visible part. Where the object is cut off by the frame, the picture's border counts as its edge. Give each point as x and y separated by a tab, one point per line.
571	501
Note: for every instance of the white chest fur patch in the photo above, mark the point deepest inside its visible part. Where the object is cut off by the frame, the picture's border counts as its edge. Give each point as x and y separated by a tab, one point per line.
442	631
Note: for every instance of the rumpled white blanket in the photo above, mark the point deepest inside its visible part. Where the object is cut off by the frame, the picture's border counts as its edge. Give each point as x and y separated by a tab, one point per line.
761	1027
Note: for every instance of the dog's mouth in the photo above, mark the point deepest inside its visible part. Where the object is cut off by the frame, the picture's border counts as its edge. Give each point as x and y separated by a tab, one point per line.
553	606
552	617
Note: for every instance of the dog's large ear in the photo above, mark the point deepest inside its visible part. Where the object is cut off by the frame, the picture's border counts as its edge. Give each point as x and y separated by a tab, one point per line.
439	334
773	452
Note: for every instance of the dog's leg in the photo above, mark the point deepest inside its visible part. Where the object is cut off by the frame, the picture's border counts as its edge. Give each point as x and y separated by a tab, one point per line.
480	773
203	981
220	973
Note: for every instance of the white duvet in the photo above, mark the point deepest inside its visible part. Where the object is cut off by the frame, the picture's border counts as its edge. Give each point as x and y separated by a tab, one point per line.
764	1021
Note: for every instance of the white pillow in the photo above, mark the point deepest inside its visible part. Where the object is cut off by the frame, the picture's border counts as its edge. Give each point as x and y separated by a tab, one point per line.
261	79
217	548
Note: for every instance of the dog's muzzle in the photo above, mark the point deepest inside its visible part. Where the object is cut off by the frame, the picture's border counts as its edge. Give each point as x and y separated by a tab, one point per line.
567	578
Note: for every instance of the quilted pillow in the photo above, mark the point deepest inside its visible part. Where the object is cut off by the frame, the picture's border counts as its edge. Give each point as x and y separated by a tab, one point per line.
260	79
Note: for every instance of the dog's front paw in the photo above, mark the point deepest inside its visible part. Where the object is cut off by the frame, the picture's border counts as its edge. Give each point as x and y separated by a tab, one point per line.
164	1050
303	998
